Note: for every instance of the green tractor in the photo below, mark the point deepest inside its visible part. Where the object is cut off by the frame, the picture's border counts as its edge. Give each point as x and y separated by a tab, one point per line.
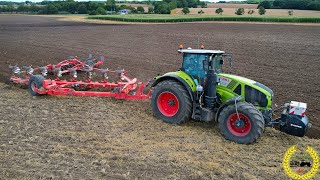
242	107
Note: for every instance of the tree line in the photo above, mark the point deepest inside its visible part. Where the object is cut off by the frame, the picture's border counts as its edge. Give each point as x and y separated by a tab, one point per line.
93	8
291	4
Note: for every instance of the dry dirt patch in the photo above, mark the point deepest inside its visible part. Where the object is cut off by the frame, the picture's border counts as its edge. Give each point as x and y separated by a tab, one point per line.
83	137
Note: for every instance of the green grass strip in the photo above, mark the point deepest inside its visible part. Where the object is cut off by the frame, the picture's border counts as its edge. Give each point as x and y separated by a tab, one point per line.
192	18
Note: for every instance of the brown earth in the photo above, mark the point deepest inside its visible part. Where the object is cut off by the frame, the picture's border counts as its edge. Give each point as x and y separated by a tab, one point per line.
87	137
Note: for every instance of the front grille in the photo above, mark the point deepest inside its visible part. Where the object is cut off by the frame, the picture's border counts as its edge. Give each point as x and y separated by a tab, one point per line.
255	97
264	87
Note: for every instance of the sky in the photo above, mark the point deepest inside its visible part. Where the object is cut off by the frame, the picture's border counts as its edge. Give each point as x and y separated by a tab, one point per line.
106	0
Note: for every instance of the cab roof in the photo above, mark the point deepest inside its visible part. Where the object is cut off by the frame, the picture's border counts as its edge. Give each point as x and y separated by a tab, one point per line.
200	51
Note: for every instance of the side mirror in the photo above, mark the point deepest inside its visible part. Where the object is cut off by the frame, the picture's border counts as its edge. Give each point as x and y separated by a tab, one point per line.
221	61
229	58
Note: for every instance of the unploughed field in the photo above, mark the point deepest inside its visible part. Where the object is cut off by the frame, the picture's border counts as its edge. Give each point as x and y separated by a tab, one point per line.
269	12
103	138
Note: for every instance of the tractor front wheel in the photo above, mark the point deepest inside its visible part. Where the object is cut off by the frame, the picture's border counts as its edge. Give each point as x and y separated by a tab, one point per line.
243	124
171	102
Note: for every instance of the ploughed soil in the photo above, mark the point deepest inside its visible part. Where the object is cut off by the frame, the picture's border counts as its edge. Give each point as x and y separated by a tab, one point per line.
103	138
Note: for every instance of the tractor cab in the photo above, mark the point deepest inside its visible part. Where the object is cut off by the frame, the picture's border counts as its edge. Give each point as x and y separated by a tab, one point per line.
197	62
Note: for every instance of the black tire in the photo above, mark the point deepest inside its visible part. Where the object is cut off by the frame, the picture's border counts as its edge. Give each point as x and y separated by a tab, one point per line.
244	131
184	110
35	80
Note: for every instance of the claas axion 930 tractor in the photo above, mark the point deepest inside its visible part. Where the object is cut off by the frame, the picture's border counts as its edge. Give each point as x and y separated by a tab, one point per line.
241	107
199	90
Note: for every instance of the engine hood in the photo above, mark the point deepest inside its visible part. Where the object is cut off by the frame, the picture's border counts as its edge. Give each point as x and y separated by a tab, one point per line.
243	80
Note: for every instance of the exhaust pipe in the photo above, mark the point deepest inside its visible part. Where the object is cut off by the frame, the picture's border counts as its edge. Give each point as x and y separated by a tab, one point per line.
207	113
210	90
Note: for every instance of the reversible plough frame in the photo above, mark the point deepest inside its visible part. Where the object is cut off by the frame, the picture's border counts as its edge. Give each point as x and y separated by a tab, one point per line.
123	88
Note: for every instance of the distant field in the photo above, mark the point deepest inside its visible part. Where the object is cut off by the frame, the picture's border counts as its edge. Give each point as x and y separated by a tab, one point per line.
223	5
156	18
269	12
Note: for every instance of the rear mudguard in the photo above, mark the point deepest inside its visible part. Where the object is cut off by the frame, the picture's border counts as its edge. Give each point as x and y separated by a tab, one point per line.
181	77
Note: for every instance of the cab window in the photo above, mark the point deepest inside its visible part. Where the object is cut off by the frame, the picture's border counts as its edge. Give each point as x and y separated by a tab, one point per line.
195	64
216	60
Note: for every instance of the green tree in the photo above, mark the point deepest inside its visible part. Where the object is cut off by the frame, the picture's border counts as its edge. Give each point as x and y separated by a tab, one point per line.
92	6
261	11
265	4
251	11
101	10
185	10
140	9
34	8
23	8
82	9
161	8
49	9
290	12
10	8
219	11
239	11
111	5
71	7
150	10
93	12
203	4
278	3
200	12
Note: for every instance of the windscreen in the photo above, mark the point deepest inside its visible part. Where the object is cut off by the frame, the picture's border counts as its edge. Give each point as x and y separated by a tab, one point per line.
196	64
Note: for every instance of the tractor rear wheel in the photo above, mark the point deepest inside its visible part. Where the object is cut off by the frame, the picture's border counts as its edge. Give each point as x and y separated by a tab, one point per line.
35	82
171	102
243	125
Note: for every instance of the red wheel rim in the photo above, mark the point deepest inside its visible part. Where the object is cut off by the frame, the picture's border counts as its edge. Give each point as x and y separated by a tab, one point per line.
239	126
168	104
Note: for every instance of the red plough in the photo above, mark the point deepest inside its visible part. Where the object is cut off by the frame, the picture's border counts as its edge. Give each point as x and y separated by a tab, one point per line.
122	88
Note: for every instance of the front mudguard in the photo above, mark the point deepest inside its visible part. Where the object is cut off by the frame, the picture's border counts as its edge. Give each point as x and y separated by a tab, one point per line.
225	104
